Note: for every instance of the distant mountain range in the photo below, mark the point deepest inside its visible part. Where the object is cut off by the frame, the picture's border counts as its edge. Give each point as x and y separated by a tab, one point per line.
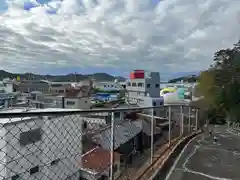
172	78
189	79
61	78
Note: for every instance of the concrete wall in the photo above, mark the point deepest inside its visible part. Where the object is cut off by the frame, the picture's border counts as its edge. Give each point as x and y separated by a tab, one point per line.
77	103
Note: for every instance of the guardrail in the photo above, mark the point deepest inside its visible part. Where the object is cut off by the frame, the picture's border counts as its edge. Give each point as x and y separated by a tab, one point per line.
88	144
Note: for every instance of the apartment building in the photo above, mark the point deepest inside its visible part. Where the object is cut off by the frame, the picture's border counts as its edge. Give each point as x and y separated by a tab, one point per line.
143	88
40	147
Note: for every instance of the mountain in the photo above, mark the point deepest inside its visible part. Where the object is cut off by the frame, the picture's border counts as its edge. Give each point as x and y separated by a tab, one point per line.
166	76
189	79
61	78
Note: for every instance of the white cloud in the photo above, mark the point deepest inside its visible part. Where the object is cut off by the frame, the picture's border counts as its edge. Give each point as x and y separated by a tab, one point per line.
176	35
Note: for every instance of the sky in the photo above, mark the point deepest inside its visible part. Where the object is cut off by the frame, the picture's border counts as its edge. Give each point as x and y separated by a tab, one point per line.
116	36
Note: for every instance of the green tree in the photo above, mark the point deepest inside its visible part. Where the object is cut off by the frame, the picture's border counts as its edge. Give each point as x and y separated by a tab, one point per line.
220	84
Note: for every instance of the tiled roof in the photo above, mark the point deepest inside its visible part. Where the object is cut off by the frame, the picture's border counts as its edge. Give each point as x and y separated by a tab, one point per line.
97	160
75	92
123	133
72	92
87	144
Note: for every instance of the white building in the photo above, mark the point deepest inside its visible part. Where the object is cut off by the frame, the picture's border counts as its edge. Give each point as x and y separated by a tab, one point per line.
6	87
40	147
107	86
73	98
143	89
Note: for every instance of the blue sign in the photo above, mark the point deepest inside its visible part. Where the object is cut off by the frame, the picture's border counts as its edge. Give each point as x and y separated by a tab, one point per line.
106	96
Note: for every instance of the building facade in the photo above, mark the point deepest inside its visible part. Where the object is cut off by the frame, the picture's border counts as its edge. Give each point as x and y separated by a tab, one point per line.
53	151
107	86
58	87
26	86
143	89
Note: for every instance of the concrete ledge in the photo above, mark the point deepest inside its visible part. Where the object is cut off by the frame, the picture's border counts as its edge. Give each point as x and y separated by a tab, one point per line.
161	173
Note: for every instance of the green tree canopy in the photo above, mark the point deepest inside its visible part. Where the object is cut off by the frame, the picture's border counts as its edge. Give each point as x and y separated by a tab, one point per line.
220	84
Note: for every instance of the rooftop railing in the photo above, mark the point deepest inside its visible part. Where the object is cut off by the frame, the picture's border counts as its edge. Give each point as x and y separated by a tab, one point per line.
96	144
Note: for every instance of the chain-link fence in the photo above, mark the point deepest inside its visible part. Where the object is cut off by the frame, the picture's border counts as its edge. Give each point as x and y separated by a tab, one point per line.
49	144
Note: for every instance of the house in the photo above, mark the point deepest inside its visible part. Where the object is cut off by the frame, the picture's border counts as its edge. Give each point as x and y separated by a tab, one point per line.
127	142
96	164
72	98
77	98
39	147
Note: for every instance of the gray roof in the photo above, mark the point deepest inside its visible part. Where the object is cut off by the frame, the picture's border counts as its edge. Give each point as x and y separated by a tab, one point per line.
123	133
7	95
146	126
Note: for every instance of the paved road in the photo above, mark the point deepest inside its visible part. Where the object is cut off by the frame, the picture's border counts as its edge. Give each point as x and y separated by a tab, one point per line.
203	159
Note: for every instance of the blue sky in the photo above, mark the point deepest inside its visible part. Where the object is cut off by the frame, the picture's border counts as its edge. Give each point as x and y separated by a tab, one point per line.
171	36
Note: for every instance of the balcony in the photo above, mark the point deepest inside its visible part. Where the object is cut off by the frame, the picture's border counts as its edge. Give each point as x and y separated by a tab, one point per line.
115	144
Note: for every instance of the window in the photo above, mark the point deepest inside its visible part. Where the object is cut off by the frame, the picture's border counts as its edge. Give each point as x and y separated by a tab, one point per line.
134	84
148	85
140	84
154	103
54	162
154	113
84	125
115	168
117	114
34	170
128	84
30	137
157	85
56	85
15	177
70	103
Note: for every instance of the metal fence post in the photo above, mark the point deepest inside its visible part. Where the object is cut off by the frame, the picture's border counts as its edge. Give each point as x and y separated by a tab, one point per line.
189	119
196	119
181	121
112	146
152	135
169	125
121	116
